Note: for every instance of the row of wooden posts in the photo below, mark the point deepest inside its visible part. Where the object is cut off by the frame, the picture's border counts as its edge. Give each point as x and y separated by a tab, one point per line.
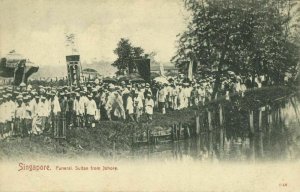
260	121
177	132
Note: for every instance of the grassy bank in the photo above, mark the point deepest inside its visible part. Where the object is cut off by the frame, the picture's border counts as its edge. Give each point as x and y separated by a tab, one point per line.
107	139
111	138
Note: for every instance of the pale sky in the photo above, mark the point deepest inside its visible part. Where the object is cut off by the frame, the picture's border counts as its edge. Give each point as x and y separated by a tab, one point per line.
36	28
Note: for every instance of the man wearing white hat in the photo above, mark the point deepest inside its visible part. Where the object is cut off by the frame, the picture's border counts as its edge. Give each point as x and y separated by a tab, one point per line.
129	106
18	117
54	112
162	99
110	100
27	116
174	97
181	98
34	102
9	108
34	108
118	107
60	127
42	113
140	92
91	110
138	105
187	94
149	104
82	107
103	101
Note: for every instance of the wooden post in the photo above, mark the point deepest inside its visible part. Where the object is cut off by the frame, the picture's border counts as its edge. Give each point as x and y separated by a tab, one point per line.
260	119
148	136
210	143
198	144
252	147
187	132
173	132
270	124
197	125
260	134
209	120
251	122
114	150
221	115
221	129
179	131
281	122
201	122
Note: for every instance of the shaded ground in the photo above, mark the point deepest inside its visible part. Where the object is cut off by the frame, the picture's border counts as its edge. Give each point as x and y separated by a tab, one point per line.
110	139
106	140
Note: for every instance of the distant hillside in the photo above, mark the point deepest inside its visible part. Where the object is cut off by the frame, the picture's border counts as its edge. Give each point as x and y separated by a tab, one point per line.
104	68
50	71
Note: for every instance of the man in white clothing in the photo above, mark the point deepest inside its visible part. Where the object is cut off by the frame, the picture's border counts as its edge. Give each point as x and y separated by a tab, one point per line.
42	113
149	104
77	110
82	108
91	110
9	108
162	99
129	106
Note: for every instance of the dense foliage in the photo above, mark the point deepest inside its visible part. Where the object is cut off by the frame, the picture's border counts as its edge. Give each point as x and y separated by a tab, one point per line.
250	38
126	53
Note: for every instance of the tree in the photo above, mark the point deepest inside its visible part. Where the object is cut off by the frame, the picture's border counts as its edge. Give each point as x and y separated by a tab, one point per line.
126	54
249	38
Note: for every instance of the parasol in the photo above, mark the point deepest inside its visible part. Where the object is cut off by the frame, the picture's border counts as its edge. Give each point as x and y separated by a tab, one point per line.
137	80
109	80
161	79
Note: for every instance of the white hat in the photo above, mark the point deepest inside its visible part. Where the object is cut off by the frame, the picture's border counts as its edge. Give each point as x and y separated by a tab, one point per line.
19	97
111	86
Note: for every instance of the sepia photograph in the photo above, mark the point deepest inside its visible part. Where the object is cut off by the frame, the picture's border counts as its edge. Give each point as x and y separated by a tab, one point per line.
150	95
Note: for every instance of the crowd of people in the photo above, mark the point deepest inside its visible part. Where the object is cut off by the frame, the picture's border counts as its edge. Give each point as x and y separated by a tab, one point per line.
27	110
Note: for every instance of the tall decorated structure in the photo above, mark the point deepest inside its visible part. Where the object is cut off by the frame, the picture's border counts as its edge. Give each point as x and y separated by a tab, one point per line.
73	61
74	71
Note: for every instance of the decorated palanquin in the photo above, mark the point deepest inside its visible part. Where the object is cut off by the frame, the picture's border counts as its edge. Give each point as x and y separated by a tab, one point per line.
16	66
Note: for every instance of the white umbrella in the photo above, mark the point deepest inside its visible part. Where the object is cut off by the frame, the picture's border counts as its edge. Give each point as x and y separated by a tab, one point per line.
161	79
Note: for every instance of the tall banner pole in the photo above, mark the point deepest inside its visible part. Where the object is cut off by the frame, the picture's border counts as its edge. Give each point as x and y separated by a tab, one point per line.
190	71
162	70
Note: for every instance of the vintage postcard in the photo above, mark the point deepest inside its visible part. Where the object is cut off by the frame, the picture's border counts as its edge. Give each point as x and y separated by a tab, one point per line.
150	95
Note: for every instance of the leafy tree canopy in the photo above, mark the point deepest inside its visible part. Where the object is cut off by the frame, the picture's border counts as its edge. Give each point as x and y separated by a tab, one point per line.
248	37
126	53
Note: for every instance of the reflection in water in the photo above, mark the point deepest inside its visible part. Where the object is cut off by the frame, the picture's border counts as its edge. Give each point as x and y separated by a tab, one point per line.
233	133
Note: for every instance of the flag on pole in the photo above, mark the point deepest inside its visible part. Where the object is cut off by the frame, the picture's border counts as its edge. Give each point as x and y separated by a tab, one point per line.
190	71
162	70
